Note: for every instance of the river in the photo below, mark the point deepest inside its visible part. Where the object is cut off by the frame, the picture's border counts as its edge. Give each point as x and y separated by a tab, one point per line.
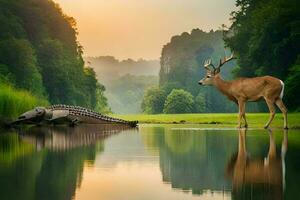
151	162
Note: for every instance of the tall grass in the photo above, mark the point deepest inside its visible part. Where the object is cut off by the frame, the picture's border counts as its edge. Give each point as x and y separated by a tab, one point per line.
13	102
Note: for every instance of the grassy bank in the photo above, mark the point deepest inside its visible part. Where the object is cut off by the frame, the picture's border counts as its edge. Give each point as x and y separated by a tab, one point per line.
228	119
13	102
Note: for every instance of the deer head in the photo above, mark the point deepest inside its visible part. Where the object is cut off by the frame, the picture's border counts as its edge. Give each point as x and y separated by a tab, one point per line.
212	72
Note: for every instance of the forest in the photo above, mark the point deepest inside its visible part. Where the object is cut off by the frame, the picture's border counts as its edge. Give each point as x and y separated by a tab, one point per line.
264	36
41	62
40	55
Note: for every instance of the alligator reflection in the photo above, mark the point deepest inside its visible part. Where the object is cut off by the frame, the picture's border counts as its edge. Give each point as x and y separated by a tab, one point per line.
258	177
65	137
55	170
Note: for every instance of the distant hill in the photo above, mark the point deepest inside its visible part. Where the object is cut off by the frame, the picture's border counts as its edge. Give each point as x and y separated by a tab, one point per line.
109	68
125	94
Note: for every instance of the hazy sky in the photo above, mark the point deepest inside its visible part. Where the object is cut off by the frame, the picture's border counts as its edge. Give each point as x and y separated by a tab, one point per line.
139	28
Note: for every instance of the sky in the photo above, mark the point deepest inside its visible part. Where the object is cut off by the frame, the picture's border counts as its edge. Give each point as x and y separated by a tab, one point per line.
139	28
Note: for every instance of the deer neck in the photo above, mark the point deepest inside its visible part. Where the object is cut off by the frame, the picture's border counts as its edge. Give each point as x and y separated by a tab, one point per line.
222	85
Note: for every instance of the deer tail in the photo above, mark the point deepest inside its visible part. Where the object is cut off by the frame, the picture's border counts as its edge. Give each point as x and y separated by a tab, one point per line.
282	89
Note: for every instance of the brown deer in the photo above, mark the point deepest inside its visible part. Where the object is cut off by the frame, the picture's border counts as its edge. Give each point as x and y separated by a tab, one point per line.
247	89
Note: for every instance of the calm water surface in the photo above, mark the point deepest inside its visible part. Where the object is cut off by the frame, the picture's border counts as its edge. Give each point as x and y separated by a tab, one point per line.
152	162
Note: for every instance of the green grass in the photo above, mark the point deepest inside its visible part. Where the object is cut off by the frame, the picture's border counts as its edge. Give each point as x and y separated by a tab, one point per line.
14	102
257	120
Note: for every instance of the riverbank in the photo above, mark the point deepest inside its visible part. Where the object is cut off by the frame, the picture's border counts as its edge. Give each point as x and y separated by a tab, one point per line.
256	120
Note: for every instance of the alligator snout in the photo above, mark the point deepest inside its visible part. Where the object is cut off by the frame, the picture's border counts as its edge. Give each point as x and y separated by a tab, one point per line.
22	117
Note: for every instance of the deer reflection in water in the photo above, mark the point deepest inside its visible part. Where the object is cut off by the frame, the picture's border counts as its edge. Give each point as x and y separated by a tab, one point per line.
266	174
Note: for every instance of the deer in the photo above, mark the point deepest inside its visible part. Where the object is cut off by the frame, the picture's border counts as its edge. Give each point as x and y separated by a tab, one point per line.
243	90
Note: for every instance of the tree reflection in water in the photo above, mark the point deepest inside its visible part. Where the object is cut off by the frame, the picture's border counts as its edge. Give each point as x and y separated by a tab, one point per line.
47	162
192	160
200	161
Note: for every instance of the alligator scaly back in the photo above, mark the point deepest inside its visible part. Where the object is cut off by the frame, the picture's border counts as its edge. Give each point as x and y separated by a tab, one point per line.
60	114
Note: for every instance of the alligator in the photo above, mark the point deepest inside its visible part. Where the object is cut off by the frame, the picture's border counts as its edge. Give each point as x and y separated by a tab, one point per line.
66	114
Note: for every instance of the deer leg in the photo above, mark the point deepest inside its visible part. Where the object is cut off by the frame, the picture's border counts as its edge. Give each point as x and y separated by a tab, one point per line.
272	112
283	109
284	144
242	152
272	149
244	114
241	109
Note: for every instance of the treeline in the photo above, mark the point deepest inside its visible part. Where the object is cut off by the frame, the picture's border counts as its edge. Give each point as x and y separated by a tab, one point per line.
265	35
181	68
39	52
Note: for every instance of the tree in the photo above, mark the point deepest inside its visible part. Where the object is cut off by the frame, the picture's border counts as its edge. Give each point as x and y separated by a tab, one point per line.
90	87
153	101
200	103
179	101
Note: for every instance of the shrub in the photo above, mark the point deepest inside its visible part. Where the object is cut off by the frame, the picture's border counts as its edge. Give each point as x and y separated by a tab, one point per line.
153	101
179	101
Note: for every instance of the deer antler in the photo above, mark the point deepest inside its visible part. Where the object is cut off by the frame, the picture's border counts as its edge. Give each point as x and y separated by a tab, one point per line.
208	63
225	60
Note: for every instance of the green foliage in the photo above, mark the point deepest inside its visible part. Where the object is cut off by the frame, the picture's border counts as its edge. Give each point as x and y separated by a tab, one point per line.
91	87
101	105
153	101
179	101
39	52
200	103
19	55
5	75
13	102
292	86
265	35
